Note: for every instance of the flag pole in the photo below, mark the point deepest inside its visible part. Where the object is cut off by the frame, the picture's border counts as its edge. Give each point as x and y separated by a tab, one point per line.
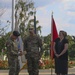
35	21
54	35
51	42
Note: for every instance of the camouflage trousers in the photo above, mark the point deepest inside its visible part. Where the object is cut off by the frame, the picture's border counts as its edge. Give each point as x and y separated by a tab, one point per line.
14	66
33	65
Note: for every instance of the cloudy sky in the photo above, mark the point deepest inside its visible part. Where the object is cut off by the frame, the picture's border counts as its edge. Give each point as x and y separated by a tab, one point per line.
63	13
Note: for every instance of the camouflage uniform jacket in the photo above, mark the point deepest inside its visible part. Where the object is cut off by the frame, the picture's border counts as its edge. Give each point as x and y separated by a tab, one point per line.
33	46
12	48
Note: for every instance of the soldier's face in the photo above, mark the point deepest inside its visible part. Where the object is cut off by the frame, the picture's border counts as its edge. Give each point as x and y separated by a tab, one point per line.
14	37
31	30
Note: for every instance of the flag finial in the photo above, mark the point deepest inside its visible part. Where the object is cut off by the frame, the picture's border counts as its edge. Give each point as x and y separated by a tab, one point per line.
52	13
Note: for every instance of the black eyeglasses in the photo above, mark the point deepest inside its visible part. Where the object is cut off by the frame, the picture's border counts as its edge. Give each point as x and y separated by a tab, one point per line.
30	28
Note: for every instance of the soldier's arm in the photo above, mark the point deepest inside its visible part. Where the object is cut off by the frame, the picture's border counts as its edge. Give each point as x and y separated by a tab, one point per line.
25	45
41	46
10	48
25	48
13	51
6	44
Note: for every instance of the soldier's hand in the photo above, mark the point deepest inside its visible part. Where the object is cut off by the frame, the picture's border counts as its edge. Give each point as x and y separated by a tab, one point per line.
20	53
24	52
39	57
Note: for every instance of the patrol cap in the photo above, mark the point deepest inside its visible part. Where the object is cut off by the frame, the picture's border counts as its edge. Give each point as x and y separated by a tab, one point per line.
16	33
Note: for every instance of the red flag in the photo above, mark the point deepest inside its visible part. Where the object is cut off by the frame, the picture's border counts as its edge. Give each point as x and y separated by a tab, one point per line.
54	35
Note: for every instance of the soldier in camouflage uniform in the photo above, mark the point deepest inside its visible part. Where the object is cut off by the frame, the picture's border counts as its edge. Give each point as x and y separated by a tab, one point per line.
12	54
34	51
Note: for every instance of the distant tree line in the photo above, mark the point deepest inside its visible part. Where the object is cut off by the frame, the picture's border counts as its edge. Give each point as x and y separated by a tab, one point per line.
47	42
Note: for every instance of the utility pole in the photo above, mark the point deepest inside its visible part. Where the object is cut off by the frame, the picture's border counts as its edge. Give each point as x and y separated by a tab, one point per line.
15	27
16	19
13	6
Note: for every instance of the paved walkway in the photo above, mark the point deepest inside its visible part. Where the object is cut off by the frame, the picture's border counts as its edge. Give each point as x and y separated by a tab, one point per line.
41	72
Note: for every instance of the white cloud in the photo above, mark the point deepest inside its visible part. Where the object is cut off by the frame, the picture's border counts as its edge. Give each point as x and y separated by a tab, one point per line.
64	1
40	3
71	14
44	19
